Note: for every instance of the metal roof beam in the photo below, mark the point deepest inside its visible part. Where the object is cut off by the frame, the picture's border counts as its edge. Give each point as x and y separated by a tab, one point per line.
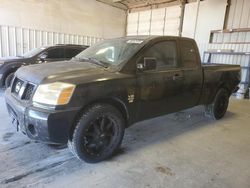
114	4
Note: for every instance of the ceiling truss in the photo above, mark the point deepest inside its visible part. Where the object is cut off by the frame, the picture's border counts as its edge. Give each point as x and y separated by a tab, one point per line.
138	4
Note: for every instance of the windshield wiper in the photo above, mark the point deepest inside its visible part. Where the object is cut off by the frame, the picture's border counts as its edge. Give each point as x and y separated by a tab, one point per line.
93	60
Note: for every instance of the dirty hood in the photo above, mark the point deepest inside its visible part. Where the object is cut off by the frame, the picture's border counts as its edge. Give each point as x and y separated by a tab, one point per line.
66	71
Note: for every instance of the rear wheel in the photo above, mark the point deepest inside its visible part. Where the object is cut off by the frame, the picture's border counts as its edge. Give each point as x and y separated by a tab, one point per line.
98	134
218	108
8	80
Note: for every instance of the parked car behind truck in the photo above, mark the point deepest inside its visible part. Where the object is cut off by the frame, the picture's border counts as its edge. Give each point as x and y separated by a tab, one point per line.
89	101
9	65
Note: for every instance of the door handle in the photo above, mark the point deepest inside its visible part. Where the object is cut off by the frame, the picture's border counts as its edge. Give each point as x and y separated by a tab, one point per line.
177	77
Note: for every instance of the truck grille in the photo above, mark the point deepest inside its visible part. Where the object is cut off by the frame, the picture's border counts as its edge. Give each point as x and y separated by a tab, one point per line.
22	89
28	92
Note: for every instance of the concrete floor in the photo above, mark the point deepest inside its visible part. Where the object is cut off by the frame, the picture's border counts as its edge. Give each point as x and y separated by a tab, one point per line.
184	149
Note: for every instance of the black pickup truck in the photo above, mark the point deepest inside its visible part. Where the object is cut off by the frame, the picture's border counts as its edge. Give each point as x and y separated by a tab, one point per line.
89	101
45	54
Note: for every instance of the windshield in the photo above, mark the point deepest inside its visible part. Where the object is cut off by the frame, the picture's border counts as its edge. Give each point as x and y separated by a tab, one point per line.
111	52
33	52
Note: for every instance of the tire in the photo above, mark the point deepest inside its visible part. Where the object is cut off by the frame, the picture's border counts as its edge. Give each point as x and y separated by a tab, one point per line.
57	146
98	134
8	79
218	108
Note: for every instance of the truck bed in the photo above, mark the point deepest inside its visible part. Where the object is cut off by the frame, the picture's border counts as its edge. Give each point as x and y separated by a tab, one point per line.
214	75
220	66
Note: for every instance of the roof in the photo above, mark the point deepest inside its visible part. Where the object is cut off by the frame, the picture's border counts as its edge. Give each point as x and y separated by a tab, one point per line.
66	45
149	37
78	45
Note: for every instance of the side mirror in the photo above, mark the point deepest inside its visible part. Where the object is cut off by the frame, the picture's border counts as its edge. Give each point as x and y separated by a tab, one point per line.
43	56
148	64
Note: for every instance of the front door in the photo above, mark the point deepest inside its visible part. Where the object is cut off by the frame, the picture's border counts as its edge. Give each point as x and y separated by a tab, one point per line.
159	90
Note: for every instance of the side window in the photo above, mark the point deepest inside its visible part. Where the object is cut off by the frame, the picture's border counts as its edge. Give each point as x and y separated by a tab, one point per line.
188	54
165	54
71	52
55	53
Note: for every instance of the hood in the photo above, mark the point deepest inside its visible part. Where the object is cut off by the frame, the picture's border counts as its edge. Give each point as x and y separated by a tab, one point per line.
67	71
11	59
14	58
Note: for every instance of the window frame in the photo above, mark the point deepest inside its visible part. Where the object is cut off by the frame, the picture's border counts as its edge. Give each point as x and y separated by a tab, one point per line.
197	56
56	48
163	68
71	48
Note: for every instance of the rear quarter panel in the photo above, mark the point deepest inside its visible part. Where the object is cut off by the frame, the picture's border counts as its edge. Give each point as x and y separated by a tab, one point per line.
218	76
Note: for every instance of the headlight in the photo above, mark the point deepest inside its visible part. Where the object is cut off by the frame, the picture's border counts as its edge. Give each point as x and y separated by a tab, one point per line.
57	93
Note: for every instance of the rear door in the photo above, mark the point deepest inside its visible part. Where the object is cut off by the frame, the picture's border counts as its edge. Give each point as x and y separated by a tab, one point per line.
192	72
160	90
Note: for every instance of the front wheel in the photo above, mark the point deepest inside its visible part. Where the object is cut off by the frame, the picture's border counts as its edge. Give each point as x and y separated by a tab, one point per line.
219	106
98	133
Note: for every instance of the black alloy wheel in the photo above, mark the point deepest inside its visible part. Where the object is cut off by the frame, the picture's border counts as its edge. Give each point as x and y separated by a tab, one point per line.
98	133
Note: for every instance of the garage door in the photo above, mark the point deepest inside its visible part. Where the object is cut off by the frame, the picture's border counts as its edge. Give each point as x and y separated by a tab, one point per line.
162	21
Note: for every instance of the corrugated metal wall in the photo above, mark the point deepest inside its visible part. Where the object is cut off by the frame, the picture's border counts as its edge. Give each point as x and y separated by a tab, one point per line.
161	21
239	17
16	41
230	59
233	40
239	14
242	60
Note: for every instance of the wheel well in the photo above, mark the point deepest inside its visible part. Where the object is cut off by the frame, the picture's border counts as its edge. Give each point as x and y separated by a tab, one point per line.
113	102
221	86
7	74
224	86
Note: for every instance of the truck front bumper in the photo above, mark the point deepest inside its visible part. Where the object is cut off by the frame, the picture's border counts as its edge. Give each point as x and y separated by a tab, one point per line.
50	126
